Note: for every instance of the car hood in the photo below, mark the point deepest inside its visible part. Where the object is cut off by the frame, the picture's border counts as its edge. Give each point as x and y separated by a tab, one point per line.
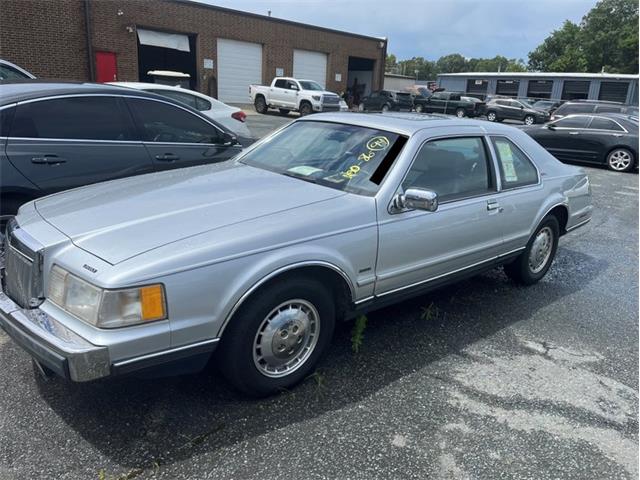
120	219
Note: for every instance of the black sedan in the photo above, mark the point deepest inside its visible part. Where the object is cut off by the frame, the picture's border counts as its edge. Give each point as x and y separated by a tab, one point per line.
56	136
608	139
500	109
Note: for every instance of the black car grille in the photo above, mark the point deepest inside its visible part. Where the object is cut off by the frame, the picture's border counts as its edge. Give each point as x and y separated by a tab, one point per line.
22	272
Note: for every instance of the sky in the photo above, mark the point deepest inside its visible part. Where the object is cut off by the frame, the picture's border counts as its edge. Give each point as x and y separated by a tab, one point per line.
432	28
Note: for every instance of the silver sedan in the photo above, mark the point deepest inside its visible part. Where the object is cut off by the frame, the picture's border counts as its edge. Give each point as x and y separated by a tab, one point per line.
253	260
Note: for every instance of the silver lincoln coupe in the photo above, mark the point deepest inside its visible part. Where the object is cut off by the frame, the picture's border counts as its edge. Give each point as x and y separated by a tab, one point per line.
250	262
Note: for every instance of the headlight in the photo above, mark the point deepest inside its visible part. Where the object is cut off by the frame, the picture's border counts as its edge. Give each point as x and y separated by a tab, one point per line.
106	308
316	97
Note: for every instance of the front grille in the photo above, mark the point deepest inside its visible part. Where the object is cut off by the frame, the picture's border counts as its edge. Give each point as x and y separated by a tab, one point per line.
330	99
23	272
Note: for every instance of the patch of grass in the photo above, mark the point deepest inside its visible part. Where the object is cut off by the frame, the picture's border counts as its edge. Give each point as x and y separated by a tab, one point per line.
357	334
430	313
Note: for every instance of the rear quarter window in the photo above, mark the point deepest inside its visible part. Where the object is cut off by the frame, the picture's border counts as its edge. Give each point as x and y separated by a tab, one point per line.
516	169
6	116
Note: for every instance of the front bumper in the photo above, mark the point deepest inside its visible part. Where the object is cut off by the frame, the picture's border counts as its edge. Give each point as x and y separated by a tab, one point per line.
52	344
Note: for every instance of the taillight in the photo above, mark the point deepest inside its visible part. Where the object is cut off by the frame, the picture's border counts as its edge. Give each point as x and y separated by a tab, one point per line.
240	116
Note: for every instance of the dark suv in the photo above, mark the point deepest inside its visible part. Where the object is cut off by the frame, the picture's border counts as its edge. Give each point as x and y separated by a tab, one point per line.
570	108
56	136
500	109
385	100
450	103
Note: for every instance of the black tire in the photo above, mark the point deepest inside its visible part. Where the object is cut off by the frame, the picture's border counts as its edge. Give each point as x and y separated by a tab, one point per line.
284	111
529	120
620	160
305	109
385	108
238	340
419	108
492	116
260	104
520	270
461	113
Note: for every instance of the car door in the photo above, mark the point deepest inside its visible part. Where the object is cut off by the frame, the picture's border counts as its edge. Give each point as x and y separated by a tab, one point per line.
418	246
291	94
277	93
436	103
371	102
519	196
565	138
75	140
175	137
600	136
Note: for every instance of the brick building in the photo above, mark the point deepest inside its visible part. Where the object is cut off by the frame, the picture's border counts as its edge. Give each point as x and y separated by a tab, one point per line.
219	51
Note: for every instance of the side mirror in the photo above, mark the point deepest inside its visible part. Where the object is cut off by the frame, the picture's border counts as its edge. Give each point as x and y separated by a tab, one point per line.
551	127
294	87
229	139
416	199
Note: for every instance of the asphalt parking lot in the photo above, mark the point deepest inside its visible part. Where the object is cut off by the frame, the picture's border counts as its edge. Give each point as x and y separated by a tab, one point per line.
481	380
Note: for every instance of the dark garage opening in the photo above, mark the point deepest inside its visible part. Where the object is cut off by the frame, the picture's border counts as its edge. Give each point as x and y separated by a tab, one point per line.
540	88
575	90
508	88
162	58
359	79
614	91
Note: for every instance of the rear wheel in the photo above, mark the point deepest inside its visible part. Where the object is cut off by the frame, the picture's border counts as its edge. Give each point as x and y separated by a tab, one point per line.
492	117
278	336
361	107
260	104
529	120
419	108
620	160
385	108
536	259
460	113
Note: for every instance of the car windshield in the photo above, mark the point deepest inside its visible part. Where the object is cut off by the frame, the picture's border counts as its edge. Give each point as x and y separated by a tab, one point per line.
345	157
308	85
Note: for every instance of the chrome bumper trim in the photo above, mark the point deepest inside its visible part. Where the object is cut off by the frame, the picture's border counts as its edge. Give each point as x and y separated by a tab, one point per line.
53	344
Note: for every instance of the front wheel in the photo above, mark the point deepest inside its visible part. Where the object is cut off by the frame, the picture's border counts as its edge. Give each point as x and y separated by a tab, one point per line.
278	336
305	109
419	108
620	160
460	113
529	120
385	108
362	108
492	117
536	259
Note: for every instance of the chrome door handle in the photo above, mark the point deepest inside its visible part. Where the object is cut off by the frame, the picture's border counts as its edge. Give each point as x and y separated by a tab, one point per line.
48	160
574	133
492	205
167	157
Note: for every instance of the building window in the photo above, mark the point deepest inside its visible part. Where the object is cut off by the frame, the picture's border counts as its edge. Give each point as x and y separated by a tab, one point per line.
477	87
614	91
575	90
508	87
540	88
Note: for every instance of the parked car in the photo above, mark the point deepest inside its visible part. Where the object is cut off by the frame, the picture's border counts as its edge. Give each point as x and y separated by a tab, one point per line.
450	103
10	72
386	100
231	117
592	106
292	95
499	109
258	257
607	139
57	136
549	106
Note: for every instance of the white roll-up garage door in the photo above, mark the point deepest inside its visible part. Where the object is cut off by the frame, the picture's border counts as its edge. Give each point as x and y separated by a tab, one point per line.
310	66
239	65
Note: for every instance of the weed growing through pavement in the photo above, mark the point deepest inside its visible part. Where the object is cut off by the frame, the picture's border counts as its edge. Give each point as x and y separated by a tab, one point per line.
357	334
430	313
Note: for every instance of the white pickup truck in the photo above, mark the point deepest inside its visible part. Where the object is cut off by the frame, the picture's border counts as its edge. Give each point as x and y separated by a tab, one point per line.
292	95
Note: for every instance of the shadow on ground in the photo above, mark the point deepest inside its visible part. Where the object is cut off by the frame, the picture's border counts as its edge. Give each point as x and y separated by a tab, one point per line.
143	423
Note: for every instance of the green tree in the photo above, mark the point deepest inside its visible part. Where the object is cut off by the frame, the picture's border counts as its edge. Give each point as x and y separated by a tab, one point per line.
452	63
560	52
391	64
610	36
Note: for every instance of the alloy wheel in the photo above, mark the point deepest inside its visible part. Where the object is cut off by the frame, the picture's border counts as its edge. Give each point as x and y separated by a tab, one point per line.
620	160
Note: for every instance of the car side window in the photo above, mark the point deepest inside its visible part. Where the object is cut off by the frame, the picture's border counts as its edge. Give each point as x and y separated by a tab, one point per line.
292	85
181	97
516	170
577	121
608	108
280	83
161	122
202	104
10	73
454	168
599	123
74	118
6	116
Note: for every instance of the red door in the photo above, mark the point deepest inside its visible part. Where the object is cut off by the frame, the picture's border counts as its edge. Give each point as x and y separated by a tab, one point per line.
106	67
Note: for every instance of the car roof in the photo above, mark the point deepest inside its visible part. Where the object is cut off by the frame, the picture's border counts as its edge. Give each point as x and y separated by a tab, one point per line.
17	91
405	123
